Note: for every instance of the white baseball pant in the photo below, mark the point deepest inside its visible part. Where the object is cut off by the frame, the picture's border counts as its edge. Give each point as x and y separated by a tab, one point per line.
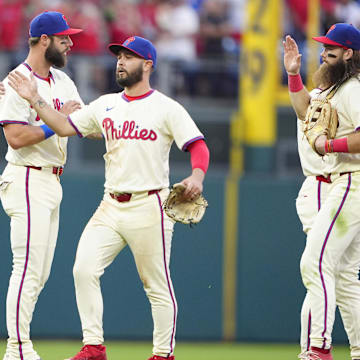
330	263
141	224
31	198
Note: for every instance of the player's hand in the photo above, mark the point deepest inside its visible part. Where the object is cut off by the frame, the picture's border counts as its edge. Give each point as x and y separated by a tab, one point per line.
194	184
292	58
25	87
320	144
69	107
2	89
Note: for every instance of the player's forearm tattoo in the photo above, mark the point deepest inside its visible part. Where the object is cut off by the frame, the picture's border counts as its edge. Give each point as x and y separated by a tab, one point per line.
40	102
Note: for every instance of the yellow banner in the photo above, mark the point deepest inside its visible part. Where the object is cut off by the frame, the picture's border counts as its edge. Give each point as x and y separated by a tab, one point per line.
260	72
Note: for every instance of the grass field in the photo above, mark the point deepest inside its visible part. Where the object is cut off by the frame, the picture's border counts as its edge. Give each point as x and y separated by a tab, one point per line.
116	350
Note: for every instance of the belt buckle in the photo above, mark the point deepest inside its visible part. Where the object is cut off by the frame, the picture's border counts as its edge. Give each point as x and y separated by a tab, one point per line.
121	197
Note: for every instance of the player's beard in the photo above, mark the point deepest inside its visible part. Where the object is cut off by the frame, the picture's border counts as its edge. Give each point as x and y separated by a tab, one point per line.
54	56
327	75
131	78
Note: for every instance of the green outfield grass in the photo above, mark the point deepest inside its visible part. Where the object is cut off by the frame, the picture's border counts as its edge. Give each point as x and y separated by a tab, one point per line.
118	350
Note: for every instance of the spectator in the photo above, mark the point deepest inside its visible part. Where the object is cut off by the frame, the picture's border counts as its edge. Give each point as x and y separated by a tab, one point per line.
11	32
89	17
348	11
197	4
216	77
178	24
147	10
215	26
123	19
11	20
237	18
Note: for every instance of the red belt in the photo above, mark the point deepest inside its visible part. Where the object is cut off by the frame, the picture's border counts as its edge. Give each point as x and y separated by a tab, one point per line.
55	170
324	179
124	197
328	178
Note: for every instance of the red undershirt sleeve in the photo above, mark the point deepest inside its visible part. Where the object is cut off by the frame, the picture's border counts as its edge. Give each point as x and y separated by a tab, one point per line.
199	154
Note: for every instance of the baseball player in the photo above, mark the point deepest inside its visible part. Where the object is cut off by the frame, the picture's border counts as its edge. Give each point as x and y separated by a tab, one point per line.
311	196
330	262
30	188
139	125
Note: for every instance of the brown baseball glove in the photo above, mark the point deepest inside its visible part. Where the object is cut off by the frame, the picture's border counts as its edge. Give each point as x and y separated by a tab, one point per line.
183	210
321	119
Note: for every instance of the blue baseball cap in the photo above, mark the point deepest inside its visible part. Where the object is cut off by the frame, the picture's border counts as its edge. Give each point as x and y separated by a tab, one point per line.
343	35
50	23
137	45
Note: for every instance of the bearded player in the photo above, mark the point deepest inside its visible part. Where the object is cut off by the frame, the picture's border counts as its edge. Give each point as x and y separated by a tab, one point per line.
139	125
330	262
30	188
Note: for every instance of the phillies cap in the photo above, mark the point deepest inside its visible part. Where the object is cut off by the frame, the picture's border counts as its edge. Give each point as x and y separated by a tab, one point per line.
51	23
343	35
137	45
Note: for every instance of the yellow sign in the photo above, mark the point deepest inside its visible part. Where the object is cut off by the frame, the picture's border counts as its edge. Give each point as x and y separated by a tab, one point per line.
259	72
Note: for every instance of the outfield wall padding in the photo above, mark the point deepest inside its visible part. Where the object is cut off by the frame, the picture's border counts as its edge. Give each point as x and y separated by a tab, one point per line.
269	288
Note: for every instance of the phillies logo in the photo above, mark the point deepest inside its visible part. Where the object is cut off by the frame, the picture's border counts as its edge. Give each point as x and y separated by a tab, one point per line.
65	19
129	40
129	131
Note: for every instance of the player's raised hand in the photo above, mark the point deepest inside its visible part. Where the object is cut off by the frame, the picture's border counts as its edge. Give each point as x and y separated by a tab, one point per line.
69	107
25	87
2	89
292	57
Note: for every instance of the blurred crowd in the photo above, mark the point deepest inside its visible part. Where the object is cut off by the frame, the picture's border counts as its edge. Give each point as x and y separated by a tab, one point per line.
202	37
181	29
332	11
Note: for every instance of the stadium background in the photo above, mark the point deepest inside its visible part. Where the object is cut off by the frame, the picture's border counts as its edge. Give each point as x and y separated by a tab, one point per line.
236	274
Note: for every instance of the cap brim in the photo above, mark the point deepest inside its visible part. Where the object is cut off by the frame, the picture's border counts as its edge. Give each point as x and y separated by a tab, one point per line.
115	48
327	41
69	32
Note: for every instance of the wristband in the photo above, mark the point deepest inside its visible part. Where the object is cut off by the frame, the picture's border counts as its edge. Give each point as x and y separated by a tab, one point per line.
295	83
329	146
47	131
337	145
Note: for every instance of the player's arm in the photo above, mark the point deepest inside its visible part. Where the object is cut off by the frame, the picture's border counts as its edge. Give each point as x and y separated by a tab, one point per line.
19	135
27	89
72	105
347	144
199	154
299	96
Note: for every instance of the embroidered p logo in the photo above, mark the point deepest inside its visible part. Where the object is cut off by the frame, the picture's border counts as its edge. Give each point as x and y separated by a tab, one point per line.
65	20
129	40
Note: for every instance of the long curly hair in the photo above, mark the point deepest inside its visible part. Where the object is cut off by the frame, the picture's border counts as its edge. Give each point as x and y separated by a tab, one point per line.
351	69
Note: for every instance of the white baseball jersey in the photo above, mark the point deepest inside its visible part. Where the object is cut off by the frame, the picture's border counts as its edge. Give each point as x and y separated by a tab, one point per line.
346	102
138	137
56	90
